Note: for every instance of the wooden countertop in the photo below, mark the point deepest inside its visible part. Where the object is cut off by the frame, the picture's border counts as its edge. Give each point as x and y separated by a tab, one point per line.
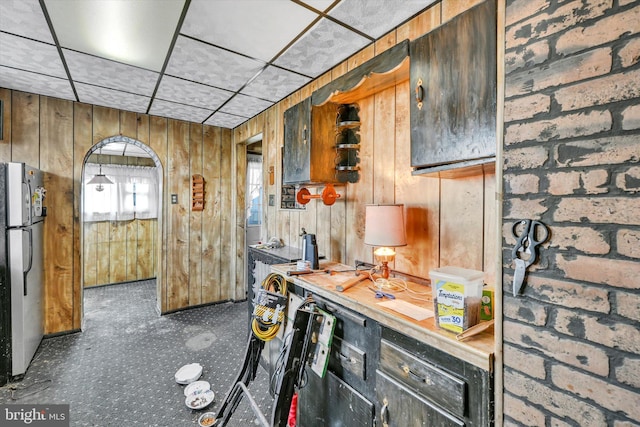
477	350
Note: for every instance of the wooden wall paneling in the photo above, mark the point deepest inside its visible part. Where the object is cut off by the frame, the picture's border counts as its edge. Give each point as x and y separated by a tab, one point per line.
421	24
82	142
106	123
118	252
89	254
361	193
56	127
361	57
453	8
178	217
142	132
158	128
240	230
384	145
226	194
128	124
421	197
103	239
270	160
5	138
385	42
195	217
211	259
131	245
284	216
25	134
145	248
462	222
491	249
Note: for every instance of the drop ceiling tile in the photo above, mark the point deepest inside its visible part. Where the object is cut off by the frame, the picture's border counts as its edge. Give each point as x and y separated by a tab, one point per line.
30	55
191	93
26	81
274	84
179	111
320	5
111	98
133	32
376	21
114	75
225	120
24	18
245	106
322	47
256	28
203	63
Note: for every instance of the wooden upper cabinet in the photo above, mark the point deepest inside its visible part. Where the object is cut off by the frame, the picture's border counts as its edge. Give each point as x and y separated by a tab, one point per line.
309	139
453	72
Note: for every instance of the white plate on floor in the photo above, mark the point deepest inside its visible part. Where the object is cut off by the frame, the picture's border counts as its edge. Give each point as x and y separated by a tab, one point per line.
199	400
188	373
196	387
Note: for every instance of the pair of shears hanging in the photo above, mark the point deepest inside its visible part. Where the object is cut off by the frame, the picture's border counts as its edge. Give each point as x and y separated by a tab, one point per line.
529	234
381	294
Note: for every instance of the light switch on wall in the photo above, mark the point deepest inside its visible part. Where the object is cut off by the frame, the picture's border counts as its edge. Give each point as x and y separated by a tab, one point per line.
174	199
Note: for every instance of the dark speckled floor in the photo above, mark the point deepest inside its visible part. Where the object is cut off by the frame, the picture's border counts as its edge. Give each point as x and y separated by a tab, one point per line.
120	370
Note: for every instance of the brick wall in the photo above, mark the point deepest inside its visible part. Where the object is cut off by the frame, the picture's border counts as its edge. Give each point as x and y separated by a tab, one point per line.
571	160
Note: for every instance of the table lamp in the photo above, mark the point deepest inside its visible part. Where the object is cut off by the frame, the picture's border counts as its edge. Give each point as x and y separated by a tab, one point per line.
384	228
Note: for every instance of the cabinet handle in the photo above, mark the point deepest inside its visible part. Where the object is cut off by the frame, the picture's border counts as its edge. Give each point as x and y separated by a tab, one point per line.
419	93
384	413
304	134
407	370
345	358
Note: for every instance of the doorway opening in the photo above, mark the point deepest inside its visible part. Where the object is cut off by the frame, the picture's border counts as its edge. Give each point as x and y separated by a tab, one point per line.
121	215
253	194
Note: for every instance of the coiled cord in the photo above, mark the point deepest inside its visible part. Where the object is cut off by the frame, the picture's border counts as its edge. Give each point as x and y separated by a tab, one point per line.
265	330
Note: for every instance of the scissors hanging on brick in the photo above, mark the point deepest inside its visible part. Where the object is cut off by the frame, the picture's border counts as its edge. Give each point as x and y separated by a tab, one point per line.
529	234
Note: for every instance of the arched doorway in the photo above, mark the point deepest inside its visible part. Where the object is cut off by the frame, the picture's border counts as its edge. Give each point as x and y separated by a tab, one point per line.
123	157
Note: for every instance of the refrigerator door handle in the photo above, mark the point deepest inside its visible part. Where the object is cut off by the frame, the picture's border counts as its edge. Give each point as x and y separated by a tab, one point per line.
28	204
30	263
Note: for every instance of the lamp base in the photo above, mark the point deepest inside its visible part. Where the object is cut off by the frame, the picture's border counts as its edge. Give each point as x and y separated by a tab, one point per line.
384	269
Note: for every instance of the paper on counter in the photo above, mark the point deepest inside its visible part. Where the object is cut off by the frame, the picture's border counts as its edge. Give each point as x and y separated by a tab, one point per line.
407	309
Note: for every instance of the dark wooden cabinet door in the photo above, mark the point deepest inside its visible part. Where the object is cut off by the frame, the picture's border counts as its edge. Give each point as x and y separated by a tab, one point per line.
456	65
297	143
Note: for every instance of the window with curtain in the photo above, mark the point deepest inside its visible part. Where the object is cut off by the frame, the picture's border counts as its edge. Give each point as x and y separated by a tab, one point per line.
133	194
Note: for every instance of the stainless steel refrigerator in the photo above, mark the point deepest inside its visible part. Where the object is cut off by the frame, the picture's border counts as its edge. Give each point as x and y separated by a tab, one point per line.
21	265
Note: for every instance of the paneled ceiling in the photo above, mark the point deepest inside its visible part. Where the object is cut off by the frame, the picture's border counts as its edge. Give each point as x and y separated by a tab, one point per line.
218	62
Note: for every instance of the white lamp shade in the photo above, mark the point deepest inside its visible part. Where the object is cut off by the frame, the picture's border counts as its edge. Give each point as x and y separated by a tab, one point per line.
384	225
100	179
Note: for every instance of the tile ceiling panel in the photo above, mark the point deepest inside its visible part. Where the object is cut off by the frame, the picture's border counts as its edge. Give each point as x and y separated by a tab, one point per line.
24	18
112	98
30	55
320	5
324	46
134	32
114	75
191	93
274	84
267	26
231	58
225	120
203	63
246	106
26	81
376	21
179	111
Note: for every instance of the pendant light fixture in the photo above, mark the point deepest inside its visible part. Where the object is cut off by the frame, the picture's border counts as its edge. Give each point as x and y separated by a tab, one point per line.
100	179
